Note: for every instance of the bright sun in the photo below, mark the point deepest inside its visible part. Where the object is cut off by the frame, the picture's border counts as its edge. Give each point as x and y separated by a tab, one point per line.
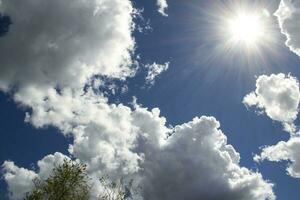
246	28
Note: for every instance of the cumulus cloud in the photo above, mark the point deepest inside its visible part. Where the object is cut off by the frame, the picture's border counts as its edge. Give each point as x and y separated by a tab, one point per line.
111	130
20	180
284	151
162	6
197	163
59	43
194	162
103	133
155	70
278	96
50	54
48	57
288	15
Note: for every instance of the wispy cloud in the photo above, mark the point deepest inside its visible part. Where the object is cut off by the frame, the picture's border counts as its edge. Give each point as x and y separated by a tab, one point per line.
154	70
162	6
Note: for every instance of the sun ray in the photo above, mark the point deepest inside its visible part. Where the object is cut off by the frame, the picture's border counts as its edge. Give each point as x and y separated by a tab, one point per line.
246	28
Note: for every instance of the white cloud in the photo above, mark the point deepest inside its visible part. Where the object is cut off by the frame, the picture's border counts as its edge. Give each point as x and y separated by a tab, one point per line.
288	15
155	70
47	164
104	134
197	163
20	180
278	96
194	162
59	43
284	151
162	6
48	57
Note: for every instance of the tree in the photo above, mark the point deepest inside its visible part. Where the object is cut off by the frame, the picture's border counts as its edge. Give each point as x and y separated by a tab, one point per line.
116	190
68	181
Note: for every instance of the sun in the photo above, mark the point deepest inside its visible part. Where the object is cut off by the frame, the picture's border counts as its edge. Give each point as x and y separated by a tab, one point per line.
243	31
246	28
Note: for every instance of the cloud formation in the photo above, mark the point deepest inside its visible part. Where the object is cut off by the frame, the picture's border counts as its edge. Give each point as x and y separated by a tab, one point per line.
20	180
155	70
194	162
50	54
197	163
288	15
284	151
162	6
276	95
59	43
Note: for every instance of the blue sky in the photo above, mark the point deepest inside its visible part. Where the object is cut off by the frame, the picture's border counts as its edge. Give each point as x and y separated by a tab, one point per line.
200	81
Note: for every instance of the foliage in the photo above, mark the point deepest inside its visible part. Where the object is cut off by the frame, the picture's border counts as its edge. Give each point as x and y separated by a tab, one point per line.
68	181
116	190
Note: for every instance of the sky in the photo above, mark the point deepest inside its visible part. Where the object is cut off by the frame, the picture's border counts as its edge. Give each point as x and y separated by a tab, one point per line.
192	99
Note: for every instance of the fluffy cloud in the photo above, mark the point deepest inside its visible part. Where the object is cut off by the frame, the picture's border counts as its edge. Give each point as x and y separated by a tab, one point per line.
48	57
103	133
59	43
284	151
111	130
197	163
20	180
194	162
155	70
288	15
125	142
52	50
277	95
162	6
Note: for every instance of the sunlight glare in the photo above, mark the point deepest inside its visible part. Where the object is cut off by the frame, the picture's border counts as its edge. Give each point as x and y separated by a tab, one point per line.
246	28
